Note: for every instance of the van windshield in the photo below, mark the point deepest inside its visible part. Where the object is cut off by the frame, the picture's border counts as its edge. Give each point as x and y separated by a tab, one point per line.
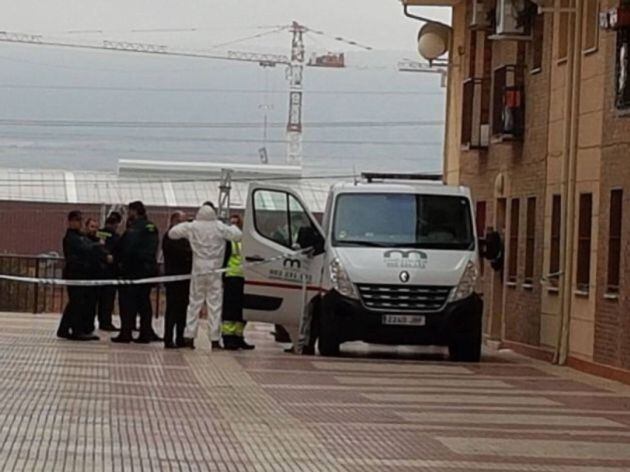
403	220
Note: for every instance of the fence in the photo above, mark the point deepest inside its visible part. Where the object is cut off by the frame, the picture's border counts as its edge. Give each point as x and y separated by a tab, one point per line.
33	298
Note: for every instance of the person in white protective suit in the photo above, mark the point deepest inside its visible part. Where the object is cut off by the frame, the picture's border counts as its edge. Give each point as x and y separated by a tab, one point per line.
207	236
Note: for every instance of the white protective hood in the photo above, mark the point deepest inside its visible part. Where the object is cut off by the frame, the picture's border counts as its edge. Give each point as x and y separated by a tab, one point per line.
207	236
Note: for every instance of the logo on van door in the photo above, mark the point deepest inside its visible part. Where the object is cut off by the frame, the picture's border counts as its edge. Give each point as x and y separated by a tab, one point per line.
405	259
291	271
292	263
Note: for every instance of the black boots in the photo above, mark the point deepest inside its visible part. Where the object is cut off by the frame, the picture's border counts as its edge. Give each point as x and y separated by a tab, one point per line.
234	343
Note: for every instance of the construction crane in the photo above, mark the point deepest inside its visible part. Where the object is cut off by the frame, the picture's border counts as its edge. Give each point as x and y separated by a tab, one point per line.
438	67
295	64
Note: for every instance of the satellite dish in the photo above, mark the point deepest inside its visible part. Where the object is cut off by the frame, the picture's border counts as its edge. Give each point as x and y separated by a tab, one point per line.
433	40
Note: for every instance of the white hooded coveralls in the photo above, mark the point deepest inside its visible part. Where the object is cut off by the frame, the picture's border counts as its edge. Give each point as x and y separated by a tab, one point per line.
207	236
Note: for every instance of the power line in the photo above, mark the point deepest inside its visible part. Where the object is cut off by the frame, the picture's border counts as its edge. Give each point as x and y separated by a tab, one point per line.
248	38
129	180
210	90
206	125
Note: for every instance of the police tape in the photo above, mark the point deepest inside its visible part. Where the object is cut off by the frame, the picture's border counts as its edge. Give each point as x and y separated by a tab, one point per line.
144	281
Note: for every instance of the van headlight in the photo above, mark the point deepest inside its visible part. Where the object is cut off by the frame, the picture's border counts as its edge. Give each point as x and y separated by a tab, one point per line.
341	281
466	286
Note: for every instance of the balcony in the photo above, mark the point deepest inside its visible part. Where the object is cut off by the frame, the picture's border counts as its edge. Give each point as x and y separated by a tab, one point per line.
508	104
475	114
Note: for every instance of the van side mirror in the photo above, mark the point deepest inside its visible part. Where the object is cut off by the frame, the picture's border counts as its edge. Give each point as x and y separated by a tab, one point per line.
309	237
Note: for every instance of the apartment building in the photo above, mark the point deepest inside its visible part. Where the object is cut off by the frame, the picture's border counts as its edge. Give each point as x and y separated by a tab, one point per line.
538	125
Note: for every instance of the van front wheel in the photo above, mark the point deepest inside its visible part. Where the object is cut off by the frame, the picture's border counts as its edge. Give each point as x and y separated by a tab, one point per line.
328	342
465	349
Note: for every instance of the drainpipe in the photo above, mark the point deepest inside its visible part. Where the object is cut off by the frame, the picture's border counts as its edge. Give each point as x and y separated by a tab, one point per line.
569	169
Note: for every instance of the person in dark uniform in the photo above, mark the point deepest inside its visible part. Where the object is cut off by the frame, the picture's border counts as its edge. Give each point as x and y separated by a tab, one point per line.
177	261
107	295
137	260
77	250
98	263
233	326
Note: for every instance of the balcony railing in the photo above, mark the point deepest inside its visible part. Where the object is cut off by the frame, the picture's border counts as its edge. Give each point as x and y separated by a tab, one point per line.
508	103
475	114
34	298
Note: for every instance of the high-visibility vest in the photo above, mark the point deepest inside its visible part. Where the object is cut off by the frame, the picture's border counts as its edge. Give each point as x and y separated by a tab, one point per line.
235	262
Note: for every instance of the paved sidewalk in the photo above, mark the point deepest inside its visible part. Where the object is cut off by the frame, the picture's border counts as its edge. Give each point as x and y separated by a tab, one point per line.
98	406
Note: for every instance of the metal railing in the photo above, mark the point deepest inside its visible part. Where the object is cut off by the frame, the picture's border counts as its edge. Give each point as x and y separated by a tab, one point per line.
34	298
508	102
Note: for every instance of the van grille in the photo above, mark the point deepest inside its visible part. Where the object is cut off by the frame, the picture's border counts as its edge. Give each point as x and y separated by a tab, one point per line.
404	297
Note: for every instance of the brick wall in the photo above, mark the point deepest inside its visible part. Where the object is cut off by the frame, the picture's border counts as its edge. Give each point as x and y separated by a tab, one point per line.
36	228
612	319
524	167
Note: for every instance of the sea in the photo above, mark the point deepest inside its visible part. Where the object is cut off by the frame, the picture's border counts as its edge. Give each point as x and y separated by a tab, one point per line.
78	110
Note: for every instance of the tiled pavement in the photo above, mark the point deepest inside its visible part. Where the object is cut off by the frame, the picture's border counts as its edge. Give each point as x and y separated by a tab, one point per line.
98	406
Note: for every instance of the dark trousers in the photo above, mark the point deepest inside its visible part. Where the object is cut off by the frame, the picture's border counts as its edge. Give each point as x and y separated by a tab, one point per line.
233	288
105	307
72	320
136	300
100	305
91	301
177	294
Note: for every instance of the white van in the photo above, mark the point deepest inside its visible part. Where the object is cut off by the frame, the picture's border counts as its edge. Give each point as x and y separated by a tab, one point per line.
394	261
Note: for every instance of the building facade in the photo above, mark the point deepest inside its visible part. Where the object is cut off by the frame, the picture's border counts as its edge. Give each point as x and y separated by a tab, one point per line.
538	125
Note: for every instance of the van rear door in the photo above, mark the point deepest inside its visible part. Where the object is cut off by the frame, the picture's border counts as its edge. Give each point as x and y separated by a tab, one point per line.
278	231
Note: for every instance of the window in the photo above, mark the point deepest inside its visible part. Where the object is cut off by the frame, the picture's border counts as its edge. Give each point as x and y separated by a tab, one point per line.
591	25
475	126
584	242
530	241
513	247
554	259
565	27
508	103
480	222
472	53
622	82
537	44
404	220
279	217
480	219
614	240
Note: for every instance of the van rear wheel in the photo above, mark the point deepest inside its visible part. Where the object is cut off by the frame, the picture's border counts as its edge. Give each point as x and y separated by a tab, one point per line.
328	342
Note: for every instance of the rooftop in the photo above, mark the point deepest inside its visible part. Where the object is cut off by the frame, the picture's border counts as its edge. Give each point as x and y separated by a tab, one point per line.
189	190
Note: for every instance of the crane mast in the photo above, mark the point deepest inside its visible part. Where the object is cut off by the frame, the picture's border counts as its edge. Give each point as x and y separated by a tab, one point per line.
296	76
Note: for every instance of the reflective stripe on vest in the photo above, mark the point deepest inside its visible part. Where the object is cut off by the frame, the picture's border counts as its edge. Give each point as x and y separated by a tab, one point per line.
235	263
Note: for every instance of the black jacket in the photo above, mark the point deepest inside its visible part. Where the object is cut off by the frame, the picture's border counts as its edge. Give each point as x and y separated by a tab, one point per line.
178	257
99	268
78	251
112	239
137	250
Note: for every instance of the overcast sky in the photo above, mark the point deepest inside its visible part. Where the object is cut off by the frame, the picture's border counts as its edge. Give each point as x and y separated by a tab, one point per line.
42	83
378	23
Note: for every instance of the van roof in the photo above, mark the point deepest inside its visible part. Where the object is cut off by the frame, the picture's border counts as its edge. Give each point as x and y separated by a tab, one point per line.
423	187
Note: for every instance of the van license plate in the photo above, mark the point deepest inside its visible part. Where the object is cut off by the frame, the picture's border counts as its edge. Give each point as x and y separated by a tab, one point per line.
405	320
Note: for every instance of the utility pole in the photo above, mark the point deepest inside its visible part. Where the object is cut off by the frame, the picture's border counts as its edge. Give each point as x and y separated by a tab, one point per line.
224	194
296	73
